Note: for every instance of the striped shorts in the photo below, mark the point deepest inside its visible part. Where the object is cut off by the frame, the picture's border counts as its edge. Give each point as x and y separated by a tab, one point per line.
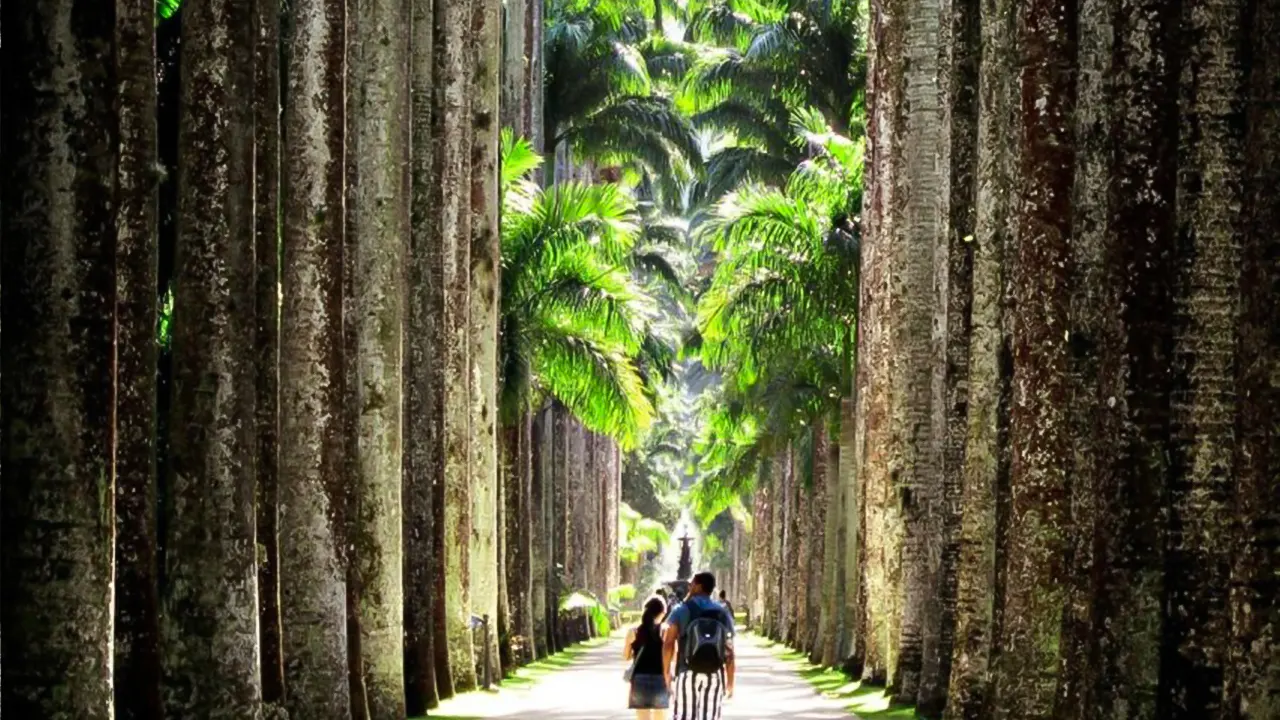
698	697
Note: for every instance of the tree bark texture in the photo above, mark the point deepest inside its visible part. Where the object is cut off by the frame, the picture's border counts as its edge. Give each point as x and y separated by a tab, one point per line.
775	607
801	551
211	652
1205	318
559	581
578	513
486	67
313	461
612	511
984	472
953	284
853	639
1252	684
817	519
377	109
520	518
918	208
1028	669
137	611
424	377
58	391
876	391
266	120
539	533
831	622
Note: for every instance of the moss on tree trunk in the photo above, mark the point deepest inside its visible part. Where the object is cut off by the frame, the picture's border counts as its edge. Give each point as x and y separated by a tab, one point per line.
59	148
211	652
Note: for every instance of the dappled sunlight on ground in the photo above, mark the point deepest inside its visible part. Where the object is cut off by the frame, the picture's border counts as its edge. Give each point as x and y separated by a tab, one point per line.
586	684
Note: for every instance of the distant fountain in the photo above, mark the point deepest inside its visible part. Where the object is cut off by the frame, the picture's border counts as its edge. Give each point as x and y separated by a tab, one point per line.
679	586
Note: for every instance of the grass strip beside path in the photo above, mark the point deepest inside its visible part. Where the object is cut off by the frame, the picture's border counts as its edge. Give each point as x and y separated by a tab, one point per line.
480	704
868	703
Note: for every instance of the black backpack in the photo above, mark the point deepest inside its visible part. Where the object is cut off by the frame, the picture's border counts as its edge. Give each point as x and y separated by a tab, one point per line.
705	641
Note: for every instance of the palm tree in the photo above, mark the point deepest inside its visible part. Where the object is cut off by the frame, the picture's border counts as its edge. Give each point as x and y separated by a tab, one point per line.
601	99
572	317
58	312
573	328
770	58
778	323
313	598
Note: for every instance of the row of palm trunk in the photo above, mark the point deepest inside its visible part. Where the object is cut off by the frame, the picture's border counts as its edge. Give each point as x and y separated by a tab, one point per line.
298	502
1059	480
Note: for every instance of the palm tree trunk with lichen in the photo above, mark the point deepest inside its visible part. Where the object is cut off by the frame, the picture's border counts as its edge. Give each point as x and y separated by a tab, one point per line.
953	280
830	623
817	520
1028	672
1251	685
59	378
378	115
482	332
984	473
267	109
423	381
137	613
453	121
1211	155
211	651
540	533
313	463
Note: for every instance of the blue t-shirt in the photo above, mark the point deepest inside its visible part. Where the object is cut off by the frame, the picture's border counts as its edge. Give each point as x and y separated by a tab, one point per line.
681	615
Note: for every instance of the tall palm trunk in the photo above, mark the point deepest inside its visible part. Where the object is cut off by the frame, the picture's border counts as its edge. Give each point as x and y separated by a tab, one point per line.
984	476
873	441
800	551
266	108
519	534
578	516
827	650
137	618
778	484
1249	686
424	378
313	463
1122	247
612	511
59	365
454	57
817	541
377	141
953	271
540	533
211	656
919	190
1028	671
853	639
1211	159
486	62
559	580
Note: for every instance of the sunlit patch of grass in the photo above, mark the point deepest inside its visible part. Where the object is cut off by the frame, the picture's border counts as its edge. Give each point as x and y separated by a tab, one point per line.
868	703
505	698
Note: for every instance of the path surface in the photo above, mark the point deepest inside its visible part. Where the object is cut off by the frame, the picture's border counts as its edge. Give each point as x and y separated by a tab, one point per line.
592	689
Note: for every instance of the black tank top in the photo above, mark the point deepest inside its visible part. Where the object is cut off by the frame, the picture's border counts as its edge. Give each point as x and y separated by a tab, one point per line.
650	640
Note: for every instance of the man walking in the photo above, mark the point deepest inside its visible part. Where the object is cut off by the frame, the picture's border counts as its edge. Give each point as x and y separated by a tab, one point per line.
699	640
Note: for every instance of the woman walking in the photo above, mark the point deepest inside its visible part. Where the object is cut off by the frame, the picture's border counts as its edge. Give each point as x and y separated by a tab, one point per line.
650	695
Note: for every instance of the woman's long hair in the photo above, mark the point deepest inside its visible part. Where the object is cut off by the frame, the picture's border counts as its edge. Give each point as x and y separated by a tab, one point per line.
654	608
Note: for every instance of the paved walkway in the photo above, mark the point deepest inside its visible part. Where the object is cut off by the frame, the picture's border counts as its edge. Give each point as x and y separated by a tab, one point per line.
592	689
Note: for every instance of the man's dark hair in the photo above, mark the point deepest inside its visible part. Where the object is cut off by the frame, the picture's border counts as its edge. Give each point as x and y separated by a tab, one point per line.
706	581
722	595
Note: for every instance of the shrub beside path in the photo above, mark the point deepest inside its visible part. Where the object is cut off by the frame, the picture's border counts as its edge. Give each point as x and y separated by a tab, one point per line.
591	688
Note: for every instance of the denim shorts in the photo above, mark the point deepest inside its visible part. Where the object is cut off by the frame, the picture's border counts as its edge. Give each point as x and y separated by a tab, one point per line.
648	692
